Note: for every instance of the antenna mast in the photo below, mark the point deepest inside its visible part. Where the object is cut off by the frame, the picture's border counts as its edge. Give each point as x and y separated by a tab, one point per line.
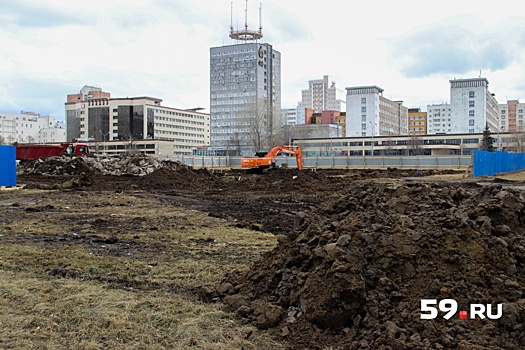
246	34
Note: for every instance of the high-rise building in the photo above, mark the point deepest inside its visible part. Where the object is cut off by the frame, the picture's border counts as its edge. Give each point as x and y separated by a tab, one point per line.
472	106
245	93
369	113
323	95
95	116
511	116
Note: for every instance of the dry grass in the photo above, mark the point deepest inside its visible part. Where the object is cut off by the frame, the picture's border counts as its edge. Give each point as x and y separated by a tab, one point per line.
62	286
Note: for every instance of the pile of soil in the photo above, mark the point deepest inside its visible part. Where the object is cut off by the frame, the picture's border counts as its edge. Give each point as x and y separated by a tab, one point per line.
353	273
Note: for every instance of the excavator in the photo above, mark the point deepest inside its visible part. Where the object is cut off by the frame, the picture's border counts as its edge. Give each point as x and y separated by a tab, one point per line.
262	161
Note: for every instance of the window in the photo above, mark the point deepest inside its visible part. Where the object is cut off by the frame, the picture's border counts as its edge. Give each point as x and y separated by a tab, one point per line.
363	126
363	100
363	118
363	109
470	131
470	113
471	94
471	122
471	103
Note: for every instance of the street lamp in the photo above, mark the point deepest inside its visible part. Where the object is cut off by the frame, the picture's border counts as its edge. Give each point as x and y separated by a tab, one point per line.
290	134
104	139
372	124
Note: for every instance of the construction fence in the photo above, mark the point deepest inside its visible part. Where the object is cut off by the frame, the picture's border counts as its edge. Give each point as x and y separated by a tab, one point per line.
7	165
376	162
492	163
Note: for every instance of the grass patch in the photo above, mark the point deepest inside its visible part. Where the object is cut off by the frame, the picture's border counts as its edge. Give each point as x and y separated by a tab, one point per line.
39	313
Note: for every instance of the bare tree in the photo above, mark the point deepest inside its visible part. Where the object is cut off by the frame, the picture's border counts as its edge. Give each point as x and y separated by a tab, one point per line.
520	142
30	139
414	146
2	140
235	143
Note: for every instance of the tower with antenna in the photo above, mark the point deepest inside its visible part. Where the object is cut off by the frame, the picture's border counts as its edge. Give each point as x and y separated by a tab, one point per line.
246	34
245	92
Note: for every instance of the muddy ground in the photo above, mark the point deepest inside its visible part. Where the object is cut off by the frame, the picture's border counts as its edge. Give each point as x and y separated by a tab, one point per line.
358	250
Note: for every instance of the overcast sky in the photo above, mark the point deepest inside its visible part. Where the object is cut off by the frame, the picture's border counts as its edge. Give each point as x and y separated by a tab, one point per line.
160	48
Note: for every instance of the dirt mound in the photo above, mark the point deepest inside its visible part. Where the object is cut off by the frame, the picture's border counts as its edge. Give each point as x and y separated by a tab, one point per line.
353	274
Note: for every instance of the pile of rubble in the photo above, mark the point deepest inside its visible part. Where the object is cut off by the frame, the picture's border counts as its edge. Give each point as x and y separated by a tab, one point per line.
135	165
353	274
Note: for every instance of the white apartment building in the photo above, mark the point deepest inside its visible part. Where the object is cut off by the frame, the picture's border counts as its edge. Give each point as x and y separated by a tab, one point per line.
106	119
439	119
472	106
245	96
511	116
323	95
29	127
369	113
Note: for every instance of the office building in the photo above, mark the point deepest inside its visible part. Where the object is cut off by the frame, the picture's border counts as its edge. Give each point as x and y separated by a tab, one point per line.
95	116
245	93
472	106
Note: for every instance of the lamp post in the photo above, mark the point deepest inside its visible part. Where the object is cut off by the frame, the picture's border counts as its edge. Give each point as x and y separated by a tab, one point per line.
104	139
372	124
290	134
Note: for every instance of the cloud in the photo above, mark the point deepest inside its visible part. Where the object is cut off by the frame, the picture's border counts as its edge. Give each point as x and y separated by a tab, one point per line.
21	14
456	46
43	95
286	27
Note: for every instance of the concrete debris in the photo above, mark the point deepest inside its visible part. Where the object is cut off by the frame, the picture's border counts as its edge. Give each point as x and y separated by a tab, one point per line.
134	165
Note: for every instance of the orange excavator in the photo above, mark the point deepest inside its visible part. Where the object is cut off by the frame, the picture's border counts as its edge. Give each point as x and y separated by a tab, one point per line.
263	161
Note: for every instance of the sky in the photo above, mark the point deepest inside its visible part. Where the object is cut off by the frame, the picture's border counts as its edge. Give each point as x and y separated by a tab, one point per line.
160	48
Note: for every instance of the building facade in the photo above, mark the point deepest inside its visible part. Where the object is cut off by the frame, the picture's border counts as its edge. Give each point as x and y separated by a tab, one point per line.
297	115
245	96
105	119
29	127
369	113
472	106
417	122
323	95
511	116
384	146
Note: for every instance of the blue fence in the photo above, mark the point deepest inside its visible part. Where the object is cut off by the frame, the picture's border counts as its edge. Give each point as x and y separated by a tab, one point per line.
492	163
7	165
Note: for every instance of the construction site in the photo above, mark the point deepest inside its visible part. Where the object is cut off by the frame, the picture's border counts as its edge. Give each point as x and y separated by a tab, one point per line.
133	252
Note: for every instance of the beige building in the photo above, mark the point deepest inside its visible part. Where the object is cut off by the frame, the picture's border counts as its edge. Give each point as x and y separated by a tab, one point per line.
323	95
95	116
417	121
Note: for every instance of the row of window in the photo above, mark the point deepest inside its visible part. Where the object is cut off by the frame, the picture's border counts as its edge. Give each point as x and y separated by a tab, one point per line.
181	121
